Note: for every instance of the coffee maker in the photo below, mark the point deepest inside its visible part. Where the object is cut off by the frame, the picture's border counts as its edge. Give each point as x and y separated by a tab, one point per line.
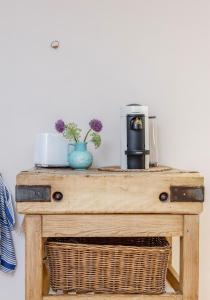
134	137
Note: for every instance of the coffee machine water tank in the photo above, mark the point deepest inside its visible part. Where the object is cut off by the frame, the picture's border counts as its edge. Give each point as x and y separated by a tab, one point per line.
134	137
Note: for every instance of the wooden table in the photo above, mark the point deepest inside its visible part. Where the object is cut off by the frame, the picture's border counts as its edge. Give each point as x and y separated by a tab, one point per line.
94	203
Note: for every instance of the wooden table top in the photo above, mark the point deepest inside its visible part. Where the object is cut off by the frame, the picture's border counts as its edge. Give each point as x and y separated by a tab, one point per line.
109	190
107	171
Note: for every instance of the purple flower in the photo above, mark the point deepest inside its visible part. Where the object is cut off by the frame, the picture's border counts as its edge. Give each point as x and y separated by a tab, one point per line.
95	125
60	126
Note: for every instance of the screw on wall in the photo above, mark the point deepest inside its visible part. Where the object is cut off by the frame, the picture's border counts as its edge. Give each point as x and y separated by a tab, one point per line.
55	44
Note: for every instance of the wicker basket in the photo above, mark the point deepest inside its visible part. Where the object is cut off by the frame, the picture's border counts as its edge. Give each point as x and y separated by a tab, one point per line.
108	265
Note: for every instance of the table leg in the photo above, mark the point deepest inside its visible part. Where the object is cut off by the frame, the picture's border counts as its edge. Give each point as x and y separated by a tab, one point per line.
33	249
45	270
189	258
170	256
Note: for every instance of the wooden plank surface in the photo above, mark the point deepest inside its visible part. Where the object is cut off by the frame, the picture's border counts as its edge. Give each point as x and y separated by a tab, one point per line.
112	225
45	274
108	192
189	264
173	278
115	297
170	240
158	168
33	260
104	171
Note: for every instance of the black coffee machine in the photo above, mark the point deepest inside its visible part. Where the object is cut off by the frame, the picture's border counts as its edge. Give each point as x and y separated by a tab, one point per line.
134	137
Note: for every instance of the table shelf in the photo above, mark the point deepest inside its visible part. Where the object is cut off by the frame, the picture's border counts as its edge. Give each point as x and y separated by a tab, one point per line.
166	296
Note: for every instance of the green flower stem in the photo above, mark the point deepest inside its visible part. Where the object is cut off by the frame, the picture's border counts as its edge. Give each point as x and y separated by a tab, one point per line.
87	135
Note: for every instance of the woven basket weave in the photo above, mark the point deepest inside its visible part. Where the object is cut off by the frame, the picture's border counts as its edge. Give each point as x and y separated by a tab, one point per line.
108	265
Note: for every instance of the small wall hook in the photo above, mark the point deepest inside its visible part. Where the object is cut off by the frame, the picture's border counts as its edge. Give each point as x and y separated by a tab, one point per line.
55	44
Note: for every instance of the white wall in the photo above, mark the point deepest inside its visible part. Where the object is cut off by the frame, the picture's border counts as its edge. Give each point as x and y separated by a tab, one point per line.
112	52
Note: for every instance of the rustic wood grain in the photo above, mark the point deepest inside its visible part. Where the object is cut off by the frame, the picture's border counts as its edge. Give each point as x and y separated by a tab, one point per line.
168	296
109	192
169	239
151	169
173	278
189	264
46	279
112	225
100	203
33	260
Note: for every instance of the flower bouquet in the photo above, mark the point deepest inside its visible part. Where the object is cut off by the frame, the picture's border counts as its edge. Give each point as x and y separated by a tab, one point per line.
79	157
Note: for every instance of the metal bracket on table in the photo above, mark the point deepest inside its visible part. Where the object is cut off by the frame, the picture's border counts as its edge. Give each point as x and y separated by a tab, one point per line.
187	194
33	193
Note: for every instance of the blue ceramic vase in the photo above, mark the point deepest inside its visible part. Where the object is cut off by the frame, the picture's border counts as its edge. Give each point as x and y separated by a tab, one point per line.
80	158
